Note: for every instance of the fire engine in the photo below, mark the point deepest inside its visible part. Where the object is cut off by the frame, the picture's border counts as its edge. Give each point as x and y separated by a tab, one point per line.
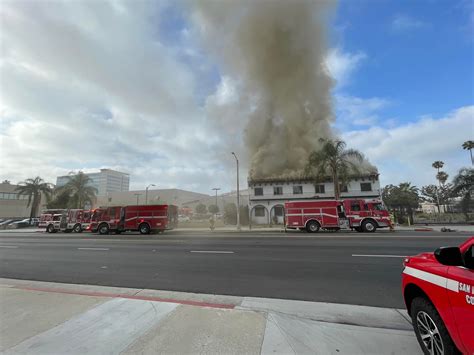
145	219
62	220
356	214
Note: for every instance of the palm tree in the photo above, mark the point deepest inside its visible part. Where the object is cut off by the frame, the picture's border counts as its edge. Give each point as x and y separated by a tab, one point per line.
463	186
442	177
469	145
78	187
333	160
33	188
438	164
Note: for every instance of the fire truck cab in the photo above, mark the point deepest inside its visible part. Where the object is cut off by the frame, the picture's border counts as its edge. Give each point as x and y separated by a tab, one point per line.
62	220
356	214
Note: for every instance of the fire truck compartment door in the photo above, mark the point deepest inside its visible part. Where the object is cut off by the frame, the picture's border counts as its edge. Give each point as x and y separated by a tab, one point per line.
343	223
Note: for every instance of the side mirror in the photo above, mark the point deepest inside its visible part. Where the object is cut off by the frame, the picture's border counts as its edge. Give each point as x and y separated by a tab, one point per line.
469	258
450	256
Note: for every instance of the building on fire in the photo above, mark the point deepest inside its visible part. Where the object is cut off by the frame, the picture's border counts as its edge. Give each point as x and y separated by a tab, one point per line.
267	196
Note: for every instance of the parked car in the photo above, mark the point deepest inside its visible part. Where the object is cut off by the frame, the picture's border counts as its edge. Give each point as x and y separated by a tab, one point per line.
20	224
182	218
438	289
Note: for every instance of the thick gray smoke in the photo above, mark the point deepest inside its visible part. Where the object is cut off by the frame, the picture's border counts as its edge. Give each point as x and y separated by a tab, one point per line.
276	52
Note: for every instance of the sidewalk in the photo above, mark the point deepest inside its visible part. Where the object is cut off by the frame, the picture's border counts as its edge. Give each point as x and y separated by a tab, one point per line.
53	318
437	228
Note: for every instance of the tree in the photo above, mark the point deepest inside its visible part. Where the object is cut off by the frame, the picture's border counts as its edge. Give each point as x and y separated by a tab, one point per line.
79	189
463	186
402	199
213	208
230	213
469	145
431	193
6	182
201	208
442	177
335	160
33	188
60	200
438	164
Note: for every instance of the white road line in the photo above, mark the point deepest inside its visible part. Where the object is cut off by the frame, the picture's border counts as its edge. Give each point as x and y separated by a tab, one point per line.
93	249
212	251
379	256
8	246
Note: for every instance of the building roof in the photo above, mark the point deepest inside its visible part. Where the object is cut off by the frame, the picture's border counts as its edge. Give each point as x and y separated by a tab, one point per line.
305	178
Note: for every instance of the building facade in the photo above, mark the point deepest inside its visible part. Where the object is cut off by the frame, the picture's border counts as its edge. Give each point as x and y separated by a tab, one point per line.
268	196
105	181
13	205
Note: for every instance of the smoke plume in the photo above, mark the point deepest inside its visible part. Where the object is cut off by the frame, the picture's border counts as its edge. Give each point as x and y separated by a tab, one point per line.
275	51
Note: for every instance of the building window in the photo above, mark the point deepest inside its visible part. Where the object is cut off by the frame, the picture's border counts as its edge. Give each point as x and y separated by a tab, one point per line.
297	190
365	186
259	211
343	188
278	190
258	191
278	210
319	189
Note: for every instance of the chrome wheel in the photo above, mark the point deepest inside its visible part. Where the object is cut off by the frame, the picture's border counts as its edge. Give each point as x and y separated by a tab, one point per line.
429	334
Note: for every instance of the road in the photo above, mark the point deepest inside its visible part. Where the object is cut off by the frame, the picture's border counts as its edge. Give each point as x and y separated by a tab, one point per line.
346	268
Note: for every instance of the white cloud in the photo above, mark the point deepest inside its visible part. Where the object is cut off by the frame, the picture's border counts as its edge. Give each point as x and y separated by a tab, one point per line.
90	85
403	23
342	64
355	111
406	153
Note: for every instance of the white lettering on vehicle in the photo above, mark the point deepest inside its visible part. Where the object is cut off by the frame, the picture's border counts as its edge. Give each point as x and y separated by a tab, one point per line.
464	287
470	300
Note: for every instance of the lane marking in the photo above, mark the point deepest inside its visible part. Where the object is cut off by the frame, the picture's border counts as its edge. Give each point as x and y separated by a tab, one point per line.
212	251
379	256
9	246
93	249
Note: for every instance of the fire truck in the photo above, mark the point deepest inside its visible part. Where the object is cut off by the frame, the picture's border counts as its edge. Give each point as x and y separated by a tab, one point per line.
355	214
143	218
62	220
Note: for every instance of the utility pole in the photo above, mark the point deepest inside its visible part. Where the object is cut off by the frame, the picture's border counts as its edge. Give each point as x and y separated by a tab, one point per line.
216	189
238	192
138	196
146	193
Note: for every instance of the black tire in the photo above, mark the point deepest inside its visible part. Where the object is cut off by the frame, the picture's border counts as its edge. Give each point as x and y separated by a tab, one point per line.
103	229
312	227
369	226
50	229
118	232
144	228
423	312
358	229
77	228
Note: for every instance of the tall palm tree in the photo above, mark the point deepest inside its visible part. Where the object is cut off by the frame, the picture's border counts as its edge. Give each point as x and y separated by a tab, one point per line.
469	145
79	189
442	177
463	186
438	164
33	188
335	160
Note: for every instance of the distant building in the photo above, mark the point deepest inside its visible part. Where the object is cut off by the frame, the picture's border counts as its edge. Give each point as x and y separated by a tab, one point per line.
105	181
268	196
176	197
13	205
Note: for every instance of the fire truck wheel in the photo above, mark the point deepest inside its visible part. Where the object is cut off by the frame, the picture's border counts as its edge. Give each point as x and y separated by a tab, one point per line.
104	229
358	229
312	227
50	229
144	228
77	228
369	226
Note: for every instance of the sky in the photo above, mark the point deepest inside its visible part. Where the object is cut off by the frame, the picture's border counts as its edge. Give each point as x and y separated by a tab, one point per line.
133	86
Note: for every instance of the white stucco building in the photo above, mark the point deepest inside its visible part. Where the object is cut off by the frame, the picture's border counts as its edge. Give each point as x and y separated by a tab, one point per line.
267	196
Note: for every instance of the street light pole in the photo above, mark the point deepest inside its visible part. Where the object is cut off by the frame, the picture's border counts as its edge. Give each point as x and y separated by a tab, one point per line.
238	192
216	189
146	193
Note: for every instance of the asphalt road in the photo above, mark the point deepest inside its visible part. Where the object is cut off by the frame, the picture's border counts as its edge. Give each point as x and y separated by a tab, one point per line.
333	267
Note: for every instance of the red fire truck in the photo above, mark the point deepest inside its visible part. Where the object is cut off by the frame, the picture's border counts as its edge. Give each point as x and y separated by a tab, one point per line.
62	220
144	218
357	214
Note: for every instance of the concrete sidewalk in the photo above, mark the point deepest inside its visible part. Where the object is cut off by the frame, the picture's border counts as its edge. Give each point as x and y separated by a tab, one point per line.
52	318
